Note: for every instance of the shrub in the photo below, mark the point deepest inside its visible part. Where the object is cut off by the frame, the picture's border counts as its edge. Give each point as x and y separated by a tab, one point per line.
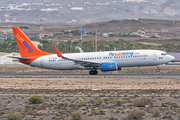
135	114
119	102
81	102
142	101
65	103
35	99
60	103
76	116
156	113
13	116
98	102
101	111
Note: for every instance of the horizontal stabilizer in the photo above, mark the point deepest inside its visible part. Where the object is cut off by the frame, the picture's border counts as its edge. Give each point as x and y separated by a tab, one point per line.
20	58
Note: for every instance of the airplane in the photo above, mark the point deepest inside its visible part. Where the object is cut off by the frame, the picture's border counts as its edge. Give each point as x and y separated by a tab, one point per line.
80	50
104	61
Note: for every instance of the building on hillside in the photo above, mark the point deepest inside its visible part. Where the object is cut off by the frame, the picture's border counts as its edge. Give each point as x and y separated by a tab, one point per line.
4	59
141	33
105	35
5	29
77	8
36	43
1	39
50	35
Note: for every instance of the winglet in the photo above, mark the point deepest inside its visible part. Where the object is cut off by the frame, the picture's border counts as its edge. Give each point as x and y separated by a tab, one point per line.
58	53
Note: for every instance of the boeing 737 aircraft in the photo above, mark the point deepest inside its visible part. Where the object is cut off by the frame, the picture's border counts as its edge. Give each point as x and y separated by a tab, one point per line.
105	61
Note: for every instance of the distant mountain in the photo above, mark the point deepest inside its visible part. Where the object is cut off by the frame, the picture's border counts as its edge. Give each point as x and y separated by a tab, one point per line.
81	11
169	3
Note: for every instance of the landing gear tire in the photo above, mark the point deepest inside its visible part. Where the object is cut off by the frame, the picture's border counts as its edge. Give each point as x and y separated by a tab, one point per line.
93	72
158	70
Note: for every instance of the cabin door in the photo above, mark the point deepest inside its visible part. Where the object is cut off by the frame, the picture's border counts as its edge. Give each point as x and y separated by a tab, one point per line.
154	56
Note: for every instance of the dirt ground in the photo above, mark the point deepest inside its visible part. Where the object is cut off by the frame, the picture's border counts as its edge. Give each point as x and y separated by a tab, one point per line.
90	83
164	91
164	94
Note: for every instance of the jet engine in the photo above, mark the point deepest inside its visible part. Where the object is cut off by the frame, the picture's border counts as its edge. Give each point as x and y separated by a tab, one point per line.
111	66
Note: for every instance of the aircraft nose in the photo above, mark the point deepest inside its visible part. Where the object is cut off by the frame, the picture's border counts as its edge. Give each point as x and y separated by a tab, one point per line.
171	58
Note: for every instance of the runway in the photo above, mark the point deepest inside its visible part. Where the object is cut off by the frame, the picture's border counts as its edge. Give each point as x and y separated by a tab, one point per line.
87	75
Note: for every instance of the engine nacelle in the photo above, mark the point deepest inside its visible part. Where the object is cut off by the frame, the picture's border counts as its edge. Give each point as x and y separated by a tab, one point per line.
111	66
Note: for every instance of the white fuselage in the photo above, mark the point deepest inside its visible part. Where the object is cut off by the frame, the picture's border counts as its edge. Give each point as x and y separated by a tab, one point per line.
127	58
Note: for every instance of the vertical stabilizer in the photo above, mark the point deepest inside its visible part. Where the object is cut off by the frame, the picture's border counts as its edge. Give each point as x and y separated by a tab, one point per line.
26	48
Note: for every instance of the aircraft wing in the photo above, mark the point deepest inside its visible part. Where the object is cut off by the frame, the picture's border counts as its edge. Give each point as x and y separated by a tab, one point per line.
80	62
20	58
85	63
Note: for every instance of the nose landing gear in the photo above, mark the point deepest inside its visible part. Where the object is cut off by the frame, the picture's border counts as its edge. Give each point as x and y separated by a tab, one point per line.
93	72
158	70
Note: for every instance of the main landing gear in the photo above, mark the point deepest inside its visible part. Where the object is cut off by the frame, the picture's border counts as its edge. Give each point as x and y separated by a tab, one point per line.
93	72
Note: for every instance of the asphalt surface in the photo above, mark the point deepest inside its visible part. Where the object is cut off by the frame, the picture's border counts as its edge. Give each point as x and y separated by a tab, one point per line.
52	95
87	75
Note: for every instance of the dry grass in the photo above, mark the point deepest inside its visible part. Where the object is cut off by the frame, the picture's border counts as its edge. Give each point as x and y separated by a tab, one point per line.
13	116
156	113
142	101
135	114
76	116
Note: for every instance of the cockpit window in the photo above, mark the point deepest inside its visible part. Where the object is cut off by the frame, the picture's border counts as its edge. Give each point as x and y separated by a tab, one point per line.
163	54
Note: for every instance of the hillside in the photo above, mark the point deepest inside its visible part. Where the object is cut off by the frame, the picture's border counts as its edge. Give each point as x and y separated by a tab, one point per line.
133	25
56	11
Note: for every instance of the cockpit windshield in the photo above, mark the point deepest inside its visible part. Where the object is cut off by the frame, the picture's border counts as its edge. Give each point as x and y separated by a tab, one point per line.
163	53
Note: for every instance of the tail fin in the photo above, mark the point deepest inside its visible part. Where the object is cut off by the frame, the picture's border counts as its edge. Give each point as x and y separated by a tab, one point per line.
25	46
80	50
